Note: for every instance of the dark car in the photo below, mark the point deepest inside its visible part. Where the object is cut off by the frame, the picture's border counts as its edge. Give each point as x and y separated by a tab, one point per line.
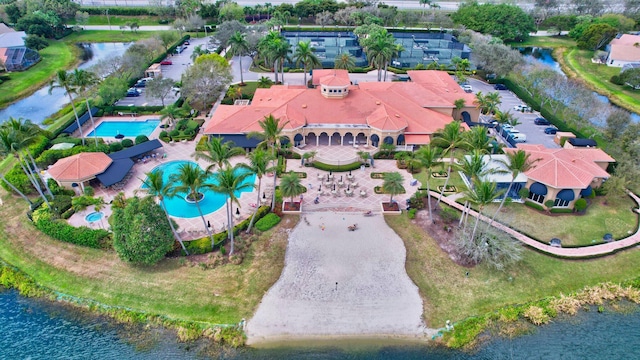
551	130
500	87
166	62
140	83
133	93
541	121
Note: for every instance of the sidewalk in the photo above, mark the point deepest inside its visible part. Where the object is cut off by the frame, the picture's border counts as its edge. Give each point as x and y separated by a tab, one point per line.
571	253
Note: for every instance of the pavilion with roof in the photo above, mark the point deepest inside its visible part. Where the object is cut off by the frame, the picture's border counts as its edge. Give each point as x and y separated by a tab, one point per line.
339	113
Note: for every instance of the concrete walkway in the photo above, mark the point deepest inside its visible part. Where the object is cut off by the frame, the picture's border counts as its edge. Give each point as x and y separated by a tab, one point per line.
338	283
572	253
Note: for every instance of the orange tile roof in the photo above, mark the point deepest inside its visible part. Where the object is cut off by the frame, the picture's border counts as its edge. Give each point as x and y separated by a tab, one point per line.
80	167
440	84
565	168
417	139
322	76
624	48
388	106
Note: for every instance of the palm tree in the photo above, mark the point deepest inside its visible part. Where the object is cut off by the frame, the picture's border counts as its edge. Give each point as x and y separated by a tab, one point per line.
474	168
218	153
84	80
281	50
229	181
270	136
259	160
482	102
238	46
64	81
191	179
481	194
503	117
424	4
264	82
305	54
429	156
156	187
265	47
344	61
290	185
517	162
15	137
393	184
449	139
172	112
478	139
197	51
397	50
494	100
380	50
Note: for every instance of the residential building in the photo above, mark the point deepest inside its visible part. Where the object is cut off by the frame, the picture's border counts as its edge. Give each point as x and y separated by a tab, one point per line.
13	53
624	49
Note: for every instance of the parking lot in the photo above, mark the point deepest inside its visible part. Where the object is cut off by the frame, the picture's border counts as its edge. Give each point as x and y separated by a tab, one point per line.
180	62
535	133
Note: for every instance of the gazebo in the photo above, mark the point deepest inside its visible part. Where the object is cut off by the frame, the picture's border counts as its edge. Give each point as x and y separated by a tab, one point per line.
74	170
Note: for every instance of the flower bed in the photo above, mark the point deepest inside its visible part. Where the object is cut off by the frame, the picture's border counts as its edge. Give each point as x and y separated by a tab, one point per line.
291	207
390	208
377	175
379	190
450	188
439	174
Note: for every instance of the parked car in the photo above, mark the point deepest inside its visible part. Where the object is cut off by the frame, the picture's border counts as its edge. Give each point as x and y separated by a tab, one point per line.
166	62
133	92
541	121
506	127
551	130
555	242
522	108
519	137
467	88
187	43
513	131
500	87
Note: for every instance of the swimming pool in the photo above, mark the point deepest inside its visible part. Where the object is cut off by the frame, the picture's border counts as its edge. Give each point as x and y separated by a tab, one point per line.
177	206
126	128
94	216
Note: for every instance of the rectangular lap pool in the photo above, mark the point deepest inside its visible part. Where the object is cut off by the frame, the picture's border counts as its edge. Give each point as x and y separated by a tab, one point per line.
126	128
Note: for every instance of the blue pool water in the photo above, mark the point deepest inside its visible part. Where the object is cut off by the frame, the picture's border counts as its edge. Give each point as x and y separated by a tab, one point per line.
126	128
94	216
177	206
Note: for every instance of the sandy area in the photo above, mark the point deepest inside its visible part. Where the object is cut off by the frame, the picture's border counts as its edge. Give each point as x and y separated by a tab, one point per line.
373	295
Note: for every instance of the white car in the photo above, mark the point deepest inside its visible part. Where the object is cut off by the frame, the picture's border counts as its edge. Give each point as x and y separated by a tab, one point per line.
513	131
522	108
467	88
519	137
506	127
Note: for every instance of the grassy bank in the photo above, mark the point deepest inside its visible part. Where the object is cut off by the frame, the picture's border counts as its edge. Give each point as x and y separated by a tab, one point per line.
117	20
546	42
450	295
99	36
177	288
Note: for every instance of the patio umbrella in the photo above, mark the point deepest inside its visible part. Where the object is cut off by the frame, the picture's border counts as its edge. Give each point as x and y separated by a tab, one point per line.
328	178
320	187
237	211
264	195
349	172
340	178
330	172
334	186
348	186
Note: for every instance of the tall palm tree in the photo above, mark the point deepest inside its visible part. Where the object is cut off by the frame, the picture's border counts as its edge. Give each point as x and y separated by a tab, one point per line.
290	185
392	184
503	117
478	139
481	194
238	46
218	153
265	47
264	82
259	160
397	50
449	139
305	54
64	81
281	50
229	181
493	99
517	162
191	179
171	112
15	137
380	50
84	80
474	168
156	187
429	156
424	4
270	136
344	61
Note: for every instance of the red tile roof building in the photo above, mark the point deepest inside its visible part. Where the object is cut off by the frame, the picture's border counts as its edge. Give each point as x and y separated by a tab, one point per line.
564	175
339	113
79	168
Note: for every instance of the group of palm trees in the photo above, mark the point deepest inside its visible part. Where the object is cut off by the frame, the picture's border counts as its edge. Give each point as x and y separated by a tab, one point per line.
220	176
380	47
447	143
76	82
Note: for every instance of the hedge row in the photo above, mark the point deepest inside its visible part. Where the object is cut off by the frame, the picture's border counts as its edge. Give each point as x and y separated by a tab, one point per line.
60	230
337	168
203	245
116	10
270	220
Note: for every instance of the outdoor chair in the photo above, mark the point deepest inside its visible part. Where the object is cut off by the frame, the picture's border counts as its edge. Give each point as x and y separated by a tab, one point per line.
363	193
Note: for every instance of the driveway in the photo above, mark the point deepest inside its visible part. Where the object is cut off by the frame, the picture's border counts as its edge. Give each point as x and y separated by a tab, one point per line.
535	133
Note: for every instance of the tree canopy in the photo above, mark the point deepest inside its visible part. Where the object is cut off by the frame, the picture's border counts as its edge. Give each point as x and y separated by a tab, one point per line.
507	22
141	233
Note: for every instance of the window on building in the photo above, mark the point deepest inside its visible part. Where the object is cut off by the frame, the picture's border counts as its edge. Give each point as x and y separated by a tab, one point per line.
560	203
536	197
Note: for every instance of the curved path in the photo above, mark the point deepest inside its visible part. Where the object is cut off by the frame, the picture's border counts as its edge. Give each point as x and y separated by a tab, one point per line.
572	253
338	283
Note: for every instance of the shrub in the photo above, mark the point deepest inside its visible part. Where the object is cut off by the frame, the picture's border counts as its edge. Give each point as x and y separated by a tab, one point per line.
615	79
580	205
60	230
127	143
141	139
61	203
115	146
449	214
163	134
174	133
89	191
533	205
267	222
536	315
200	246
412	213
548	204
337	168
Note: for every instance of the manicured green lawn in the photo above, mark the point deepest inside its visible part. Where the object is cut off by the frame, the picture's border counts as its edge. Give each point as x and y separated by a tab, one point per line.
455	180
546	42
174	287
56	56
449	294
604	215
597	77
117	20
97	36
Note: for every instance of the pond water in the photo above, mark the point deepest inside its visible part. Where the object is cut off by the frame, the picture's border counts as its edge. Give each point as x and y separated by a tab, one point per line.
38	329
41	104
544	56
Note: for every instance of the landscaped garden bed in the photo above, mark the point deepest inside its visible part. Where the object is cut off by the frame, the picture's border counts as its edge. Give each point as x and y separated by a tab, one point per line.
449	188
390	208
380	190
377	175
439	174
289	207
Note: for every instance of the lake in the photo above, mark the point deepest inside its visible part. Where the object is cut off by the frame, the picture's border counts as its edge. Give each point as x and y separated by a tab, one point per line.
40	105
39	329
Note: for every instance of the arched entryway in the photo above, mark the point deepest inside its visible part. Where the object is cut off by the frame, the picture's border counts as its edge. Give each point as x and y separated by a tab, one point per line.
375	140
361	139
400	140
388	140
347	139
312	138
323	139
336	139
297	140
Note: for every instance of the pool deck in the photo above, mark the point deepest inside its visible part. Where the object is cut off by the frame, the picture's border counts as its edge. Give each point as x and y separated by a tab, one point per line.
193	228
